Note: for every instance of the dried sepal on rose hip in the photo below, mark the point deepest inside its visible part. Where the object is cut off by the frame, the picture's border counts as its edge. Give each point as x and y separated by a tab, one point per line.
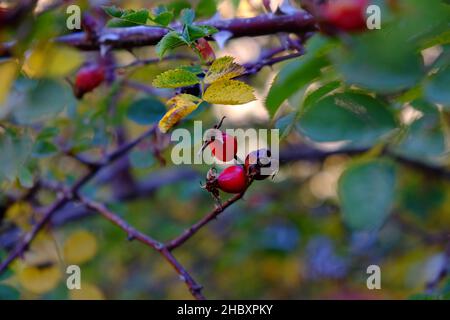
232	179
87	79
258	164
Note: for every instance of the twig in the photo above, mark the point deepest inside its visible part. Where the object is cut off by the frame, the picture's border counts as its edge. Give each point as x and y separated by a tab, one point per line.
188	233
67	196
143	35
132	233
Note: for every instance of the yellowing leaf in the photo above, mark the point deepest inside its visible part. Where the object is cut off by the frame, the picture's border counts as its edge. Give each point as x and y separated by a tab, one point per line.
8	72
81	246
175	78
223	69
39	279
229	92
87	292
52	61
181	106
20	213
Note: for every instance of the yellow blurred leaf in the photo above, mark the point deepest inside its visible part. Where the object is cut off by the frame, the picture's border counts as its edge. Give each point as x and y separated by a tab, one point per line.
39	279
87	292
52	61
175	78
229	92
20	213
81	246
223	69
181	106
8	72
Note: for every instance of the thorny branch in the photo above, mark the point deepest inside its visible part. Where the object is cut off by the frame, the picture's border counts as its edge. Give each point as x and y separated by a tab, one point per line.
123	38
66	196
132	234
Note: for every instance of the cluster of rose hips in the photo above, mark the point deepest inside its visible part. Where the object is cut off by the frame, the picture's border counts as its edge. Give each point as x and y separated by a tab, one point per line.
237	177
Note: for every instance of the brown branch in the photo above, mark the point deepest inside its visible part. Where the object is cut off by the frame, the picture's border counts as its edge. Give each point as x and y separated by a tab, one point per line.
66	196
188	233
125	38
132	234
311	153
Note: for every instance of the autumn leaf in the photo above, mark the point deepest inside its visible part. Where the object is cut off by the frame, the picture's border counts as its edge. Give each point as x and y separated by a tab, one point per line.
181	106
175	78
39	279
52	61
229	92
223	69
8	72
81	246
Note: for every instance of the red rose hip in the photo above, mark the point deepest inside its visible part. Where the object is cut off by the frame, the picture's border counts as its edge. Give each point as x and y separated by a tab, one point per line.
346	15
87	79
226	149
232	180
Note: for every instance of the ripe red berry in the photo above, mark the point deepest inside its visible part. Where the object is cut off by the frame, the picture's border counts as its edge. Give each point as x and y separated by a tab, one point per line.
232	180
346	15
87	79
223	146
255	161
226	149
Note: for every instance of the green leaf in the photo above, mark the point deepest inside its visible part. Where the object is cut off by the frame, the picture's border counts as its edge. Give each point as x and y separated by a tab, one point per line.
127	18
146	111
356	117
48	133
44	149
437	89
195	69
366	193
43	99
298	73
206	8
137	17
376	61
164	18
120	23
319	93
424	138
286	123
15	151
25	177
114	11
197	32
175	78
169	42
177	6
8	293
187	16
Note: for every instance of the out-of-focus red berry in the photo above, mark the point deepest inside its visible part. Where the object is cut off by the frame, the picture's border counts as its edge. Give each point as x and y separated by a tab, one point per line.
346	15
87	79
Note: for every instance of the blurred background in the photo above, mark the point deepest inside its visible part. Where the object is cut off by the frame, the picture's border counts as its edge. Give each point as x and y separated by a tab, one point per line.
285	240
